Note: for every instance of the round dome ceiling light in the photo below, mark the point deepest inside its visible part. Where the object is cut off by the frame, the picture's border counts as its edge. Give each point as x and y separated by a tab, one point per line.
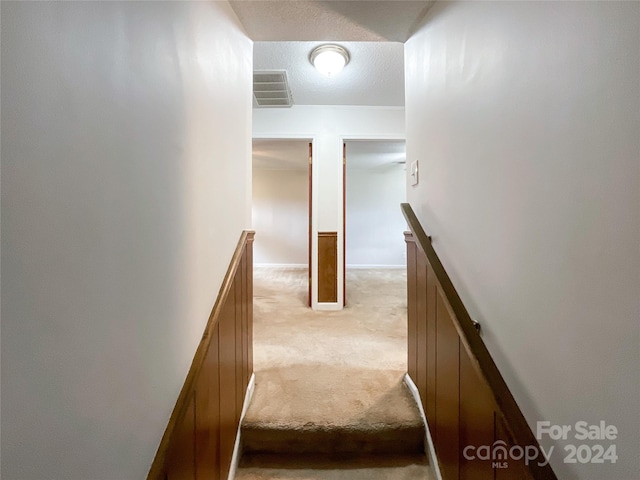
329	59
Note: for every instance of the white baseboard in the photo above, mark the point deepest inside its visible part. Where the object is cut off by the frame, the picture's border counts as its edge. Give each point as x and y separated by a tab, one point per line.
377	267
281	265
235	459
431	451
329	307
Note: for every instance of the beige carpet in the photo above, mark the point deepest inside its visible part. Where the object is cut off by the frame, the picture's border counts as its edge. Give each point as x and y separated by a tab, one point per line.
329	384
304	468
370	333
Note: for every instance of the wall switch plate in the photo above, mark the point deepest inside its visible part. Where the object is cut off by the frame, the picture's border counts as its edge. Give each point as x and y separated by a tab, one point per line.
413	172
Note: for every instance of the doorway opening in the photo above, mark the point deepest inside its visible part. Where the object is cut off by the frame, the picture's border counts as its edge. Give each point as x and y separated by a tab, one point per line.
281	206
374	187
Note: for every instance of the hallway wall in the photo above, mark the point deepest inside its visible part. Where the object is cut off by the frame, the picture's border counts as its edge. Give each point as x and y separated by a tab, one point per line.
375	224
281	216
525	119
126	150
328	126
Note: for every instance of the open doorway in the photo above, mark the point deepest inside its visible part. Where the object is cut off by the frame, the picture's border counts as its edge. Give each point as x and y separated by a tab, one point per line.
281	206
374	188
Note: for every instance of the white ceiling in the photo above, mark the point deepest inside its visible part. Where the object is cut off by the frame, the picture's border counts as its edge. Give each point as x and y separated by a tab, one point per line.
372	31
278	154
374	75
309	20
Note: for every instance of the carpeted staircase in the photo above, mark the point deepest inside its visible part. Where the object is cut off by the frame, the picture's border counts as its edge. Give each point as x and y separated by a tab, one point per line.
319	422
330	402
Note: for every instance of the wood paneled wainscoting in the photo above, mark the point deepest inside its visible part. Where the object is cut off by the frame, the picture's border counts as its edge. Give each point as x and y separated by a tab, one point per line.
327	267
465	400
199	440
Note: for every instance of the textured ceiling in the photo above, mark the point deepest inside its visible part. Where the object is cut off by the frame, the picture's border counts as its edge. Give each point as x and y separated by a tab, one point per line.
373	32
275	154
374	75
353	20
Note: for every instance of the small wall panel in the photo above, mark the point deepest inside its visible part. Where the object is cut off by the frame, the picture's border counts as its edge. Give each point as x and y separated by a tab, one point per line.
421	328
248	298
327	267
412	321
181	463
208	414
245	325
447	391
476	421
239	362
228	390
432	349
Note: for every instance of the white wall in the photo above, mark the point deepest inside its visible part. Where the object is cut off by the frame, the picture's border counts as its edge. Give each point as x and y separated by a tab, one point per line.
126	130
526	120
281	217
328	126
375	223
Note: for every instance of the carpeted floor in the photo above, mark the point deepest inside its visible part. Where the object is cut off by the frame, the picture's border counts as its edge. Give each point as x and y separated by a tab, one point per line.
329	385
370	333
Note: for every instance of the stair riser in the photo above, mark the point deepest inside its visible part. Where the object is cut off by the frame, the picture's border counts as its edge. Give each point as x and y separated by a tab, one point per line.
399	441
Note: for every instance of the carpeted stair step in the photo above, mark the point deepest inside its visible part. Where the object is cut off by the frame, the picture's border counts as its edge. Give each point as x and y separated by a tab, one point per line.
300	467
352	439
332	410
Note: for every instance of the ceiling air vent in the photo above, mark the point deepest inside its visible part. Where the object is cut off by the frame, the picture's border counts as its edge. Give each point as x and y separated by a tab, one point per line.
271	89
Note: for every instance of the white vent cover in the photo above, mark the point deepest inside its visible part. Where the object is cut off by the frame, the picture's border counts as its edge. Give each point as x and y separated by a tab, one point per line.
271	89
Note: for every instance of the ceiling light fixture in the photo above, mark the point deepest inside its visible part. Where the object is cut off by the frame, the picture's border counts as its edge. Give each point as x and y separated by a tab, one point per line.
329	59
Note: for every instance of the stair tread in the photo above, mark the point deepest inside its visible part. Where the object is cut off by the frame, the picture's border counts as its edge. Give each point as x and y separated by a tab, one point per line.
356	426
317	396
295	467
331	409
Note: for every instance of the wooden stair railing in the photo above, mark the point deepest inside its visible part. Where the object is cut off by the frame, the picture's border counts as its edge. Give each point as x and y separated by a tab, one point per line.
466	401
199	440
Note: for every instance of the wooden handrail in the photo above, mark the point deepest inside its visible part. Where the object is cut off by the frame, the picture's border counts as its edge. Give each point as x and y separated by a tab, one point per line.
479	355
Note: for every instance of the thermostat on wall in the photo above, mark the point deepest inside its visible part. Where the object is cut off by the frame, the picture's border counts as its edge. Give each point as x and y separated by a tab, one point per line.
413	172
